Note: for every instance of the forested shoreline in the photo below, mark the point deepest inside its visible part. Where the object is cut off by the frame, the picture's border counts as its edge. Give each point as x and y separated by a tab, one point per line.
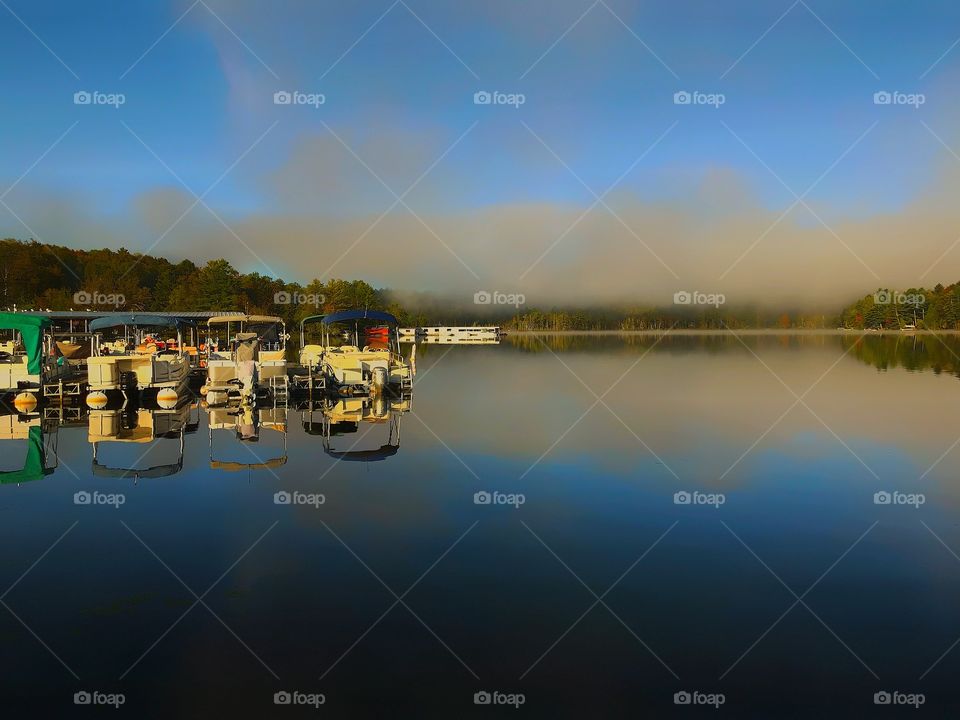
35	275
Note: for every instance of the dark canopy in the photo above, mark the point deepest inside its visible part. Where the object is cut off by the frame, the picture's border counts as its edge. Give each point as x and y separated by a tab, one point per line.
140	320
345	315
382	453
157	471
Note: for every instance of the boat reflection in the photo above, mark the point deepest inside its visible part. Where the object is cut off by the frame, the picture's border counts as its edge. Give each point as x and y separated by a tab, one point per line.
241	437
41	439
141	426
337	419
247	422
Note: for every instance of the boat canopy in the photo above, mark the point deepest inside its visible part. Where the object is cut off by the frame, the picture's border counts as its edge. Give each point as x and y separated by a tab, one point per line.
241	467
345	315
311	318
140	320
31	329
382	453
244	319
157	471
304	323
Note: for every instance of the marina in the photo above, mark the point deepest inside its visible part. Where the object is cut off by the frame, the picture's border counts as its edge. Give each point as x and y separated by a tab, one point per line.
428	359
110	358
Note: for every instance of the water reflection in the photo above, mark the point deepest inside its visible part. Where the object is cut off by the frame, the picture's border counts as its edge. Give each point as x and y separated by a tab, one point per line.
339	420
914	351
141	426
40	458
685	414
367	428
245	425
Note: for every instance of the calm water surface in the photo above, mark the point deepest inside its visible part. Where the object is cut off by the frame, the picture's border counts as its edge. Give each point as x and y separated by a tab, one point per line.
785	582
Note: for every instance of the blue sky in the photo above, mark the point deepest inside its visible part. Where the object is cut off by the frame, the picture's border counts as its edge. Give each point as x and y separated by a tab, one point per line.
598	78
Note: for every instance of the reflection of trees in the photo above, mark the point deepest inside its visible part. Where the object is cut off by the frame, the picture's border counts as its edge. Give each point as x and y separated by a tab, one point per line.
674	342
920	352
939	353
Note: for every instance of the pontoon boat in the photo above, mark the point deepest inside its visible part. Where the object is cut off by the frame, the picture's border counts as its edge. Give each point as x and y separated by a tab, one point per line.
139	361
29	369
246	357
378	366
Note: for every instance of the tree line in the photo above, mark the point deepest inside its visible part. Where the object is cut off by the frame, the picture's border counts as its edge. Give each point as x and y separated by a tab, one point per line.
887	309
36	275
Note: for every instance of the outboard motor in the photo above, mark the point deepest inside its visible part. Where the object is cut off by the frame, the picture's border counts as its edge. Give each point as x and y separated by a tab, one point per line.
247	353
247	375
378	380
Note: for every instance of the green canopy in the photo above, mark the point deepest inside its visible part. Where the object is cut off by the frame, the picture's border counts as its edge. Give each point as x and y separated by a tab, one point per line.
35	465
31	329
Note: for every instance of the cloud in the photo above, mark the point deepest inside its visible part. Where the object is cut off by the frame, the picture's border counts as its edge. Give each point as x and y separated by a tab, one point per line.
555	253
322	216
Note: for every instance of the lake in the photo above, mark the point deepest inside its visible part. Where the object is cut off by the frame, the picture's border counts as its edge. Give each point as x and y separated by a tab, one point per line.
602	525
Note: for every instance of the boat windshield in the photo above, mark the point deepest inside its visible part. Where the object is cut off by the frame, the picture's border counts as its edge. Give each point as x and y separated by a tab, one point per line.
224	334
270	334
360	333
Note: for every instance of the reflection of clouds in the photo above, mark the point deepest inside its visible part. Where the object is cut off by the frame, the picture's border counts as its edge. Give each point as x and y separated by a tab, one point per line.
698	412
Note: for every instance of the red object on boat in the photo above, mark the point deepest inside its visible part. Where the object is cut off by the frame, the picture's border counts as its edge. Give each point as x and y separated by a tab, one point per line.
377	332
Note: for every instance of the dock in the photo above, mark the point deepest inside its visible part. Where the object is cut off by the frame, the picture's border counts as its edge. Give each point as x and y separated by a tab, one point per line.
462	331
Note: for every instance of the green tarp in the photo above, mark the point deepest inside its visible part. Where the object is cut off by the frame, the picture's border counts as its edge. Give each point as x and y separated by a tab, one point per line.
31	329
35	465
